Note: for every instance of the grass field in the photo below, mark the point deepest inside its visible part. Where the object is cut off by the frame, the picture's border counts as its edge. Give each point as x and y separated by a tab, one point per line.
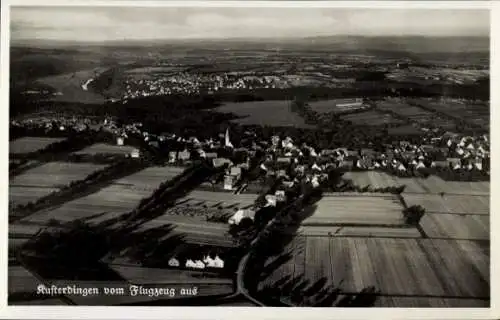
31	144
119	198
224	200
372	118
433	184
338	210
50	177
265	113
101	148
412	268
450	203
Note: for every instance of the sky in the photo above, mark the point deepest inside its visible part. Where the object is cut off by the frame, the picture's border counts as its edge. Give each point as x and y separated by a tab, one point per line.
126	23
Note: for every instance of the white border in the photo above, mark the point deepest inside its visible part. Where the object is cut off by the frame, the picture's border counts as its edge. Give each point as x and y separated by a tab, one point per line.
250	313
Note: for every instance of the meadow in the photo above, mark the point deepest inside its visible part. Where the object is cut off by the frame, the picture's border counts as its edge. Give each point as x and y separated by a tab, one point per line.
102	148
410	268
119	198
371	118
47	178
31	144
265	113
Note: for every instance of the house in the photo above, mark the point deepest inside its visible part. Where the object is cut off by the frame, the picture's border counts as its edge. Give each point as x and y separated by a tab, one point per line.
440	163
219	263
190	264
283	160
219	162
198	264
478	163
420	165
271	200
281	173
240	214
236	172
172	156
209	262
173	262
229	181
184	155
135	153
401	167
280	195
119	141
454	162
316	167
210	155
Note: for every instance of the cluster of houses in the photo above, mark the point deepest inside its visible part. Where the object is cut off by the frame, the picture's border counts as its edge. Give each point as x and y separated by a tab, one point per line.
208	262
191	84
55	122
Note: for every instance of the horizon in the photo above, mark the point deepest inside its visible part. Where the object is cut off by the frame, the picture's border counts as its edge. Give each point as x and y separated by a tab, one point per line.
121	24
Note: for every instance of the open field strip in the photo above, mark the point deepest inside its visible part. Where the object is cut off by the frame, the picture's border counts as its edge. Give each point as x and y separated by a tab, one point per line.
400	267
455	226
119	198
47	178
193	230
356	210
265	113
434	203
372	117
360	231
217	199
102	148
433	184
31	144
142	275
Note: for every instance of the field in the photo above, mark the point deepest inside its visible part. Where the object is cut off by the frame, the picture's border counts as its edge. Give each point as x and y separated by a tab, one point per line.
459	204
456	226
360	231
399	268
194	230
414	113
265	113
41	181
327	106
478	114
30	144
372	118
356	209
119	198
101	148
433	184
70	85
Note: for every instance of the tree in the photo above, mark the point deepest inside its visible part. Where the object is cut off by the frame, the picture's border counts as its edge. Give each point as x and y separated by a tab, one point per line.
413	214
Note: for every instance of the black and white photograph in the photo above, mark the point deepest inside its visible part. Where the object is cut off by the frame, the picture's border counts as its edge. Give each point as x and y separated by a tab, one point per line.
246	156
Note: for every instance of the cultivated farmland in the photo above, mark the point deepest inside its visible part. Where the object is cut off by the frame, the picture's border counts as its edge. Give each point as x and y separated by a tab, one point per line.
43	180
119	198
371	118
460	204
31	144
417	268
414	113
364	210
101	148
433	184
265	113
456	226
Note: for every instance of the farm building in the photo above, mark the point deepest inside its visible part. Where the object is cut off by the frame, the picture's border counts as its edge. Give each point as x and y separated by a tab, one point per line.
229	181
240	214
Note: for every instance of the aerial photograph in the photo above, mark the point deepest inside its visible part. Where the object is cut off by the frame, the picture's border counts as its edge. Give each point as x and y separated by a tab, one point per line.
249	157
